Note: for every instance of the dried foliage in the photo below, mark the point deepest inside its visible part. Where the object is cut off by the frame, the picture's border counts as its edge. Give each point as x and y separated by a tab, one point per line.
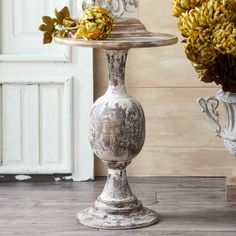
62	25
209	27
96	23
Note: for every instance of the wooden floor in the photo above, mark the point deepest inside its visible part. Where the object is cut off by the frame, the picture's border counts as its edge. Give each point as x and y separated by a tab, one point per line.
188	207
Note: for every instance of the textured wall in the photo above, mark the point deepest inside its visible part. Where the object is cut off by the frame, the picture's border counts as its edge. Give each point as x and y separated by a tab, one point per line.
179	139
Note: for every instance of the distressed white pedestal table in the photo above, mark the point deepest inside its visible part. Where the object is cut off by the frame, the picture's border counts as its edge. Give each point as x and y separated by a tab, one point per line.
117	130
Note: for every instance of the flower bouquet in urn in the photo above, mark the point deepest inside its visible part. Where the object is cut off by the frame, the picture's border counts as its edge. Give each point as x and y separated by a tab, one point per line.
209	29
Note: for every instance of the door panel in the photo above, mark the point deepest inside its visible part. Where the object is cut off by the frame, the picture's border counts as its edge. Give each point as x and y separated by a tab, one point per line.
51	110
12	125
34	127
44	112
22	41
30	114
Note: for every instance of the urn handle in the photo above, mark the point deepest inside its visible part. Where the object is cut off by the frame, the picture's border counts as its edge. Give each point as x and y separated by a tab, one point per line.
209	106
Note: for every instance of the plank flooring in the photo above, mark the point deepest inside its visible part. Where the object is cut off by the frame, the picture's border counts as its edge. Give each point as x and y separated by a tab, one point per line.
188	207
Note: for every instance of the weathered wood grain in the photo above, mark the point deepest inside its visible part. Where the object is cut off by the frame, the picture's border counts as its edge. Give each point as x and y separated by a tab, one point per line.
122	41
178	161
188	207
173	117
158	67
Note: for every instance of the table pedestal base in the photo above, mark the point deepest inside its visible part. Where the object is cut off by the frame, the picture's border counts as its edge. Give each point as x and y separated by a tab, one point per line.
103	220
117	207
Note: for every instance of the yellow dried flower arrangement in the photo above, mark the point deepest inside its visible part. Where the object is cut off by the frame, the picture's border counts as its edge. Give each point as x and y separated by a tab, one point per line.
209	29
96	23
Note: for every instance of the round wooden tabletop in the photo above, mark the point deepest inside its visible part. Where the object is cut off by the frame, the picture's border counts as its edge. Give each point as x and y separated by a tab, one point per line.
124	41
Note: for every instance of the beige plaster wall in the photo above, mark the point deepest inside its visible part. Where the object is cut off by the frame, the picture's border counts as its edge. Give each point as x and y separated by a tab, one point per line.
179	139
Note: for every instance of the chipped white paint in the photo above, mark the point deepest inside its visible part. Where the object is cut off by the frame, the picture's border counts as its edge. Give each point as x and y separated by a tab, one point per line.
62	178
68	177
57	179
22	177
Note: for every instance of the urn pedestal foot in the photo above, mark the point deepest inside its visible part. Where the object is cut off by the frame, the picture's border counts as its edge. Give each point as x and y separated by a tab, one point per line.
102	220
117	207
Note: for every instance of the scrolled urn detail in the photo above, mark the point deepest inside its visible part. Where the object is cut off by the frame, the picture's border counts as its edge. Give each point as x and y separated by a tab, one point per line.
117	7
210	105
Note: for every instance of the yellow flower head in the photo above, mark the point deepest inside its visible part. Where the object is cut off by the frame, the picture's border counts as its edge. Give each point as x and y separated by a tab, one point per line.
181	6
96	23
217	11
199	49
189	22
210	31
224	38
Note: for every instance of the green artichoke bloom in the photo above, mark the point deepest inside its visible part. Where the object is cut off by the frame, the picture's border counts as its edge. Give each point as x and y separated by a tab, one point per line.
96	23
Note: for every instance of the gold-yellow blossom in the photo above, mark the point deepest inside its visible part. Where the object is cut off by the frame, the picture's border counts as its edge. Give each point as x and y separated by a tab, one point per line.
199	49
217	11
209	29
181	6
224	38
96	23
188	22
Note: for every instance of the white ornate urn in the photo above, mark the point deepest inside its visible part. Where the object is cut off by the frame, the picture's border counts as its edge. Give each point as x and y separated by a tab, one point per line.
228	134
117	7
210	105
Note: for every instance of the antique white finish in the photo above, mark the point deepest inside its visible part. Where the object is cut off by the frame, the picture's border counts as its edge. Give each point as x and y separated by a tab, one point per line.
117	134
210	105
117	7
117	129
46	95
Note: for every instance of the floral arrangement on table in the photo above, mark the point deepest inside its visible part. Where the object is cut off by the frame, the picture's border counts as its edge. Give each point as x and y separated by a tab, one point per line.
209	29
96	23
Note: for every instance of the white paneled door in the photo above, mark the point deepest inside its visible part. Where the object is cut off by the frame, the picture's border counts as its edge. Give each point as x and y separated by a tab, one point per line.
46	92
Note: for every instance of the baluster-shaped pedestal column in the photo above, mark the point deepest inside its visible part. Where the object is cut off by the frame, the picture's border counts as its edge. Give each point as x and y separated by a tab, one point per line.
117	134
